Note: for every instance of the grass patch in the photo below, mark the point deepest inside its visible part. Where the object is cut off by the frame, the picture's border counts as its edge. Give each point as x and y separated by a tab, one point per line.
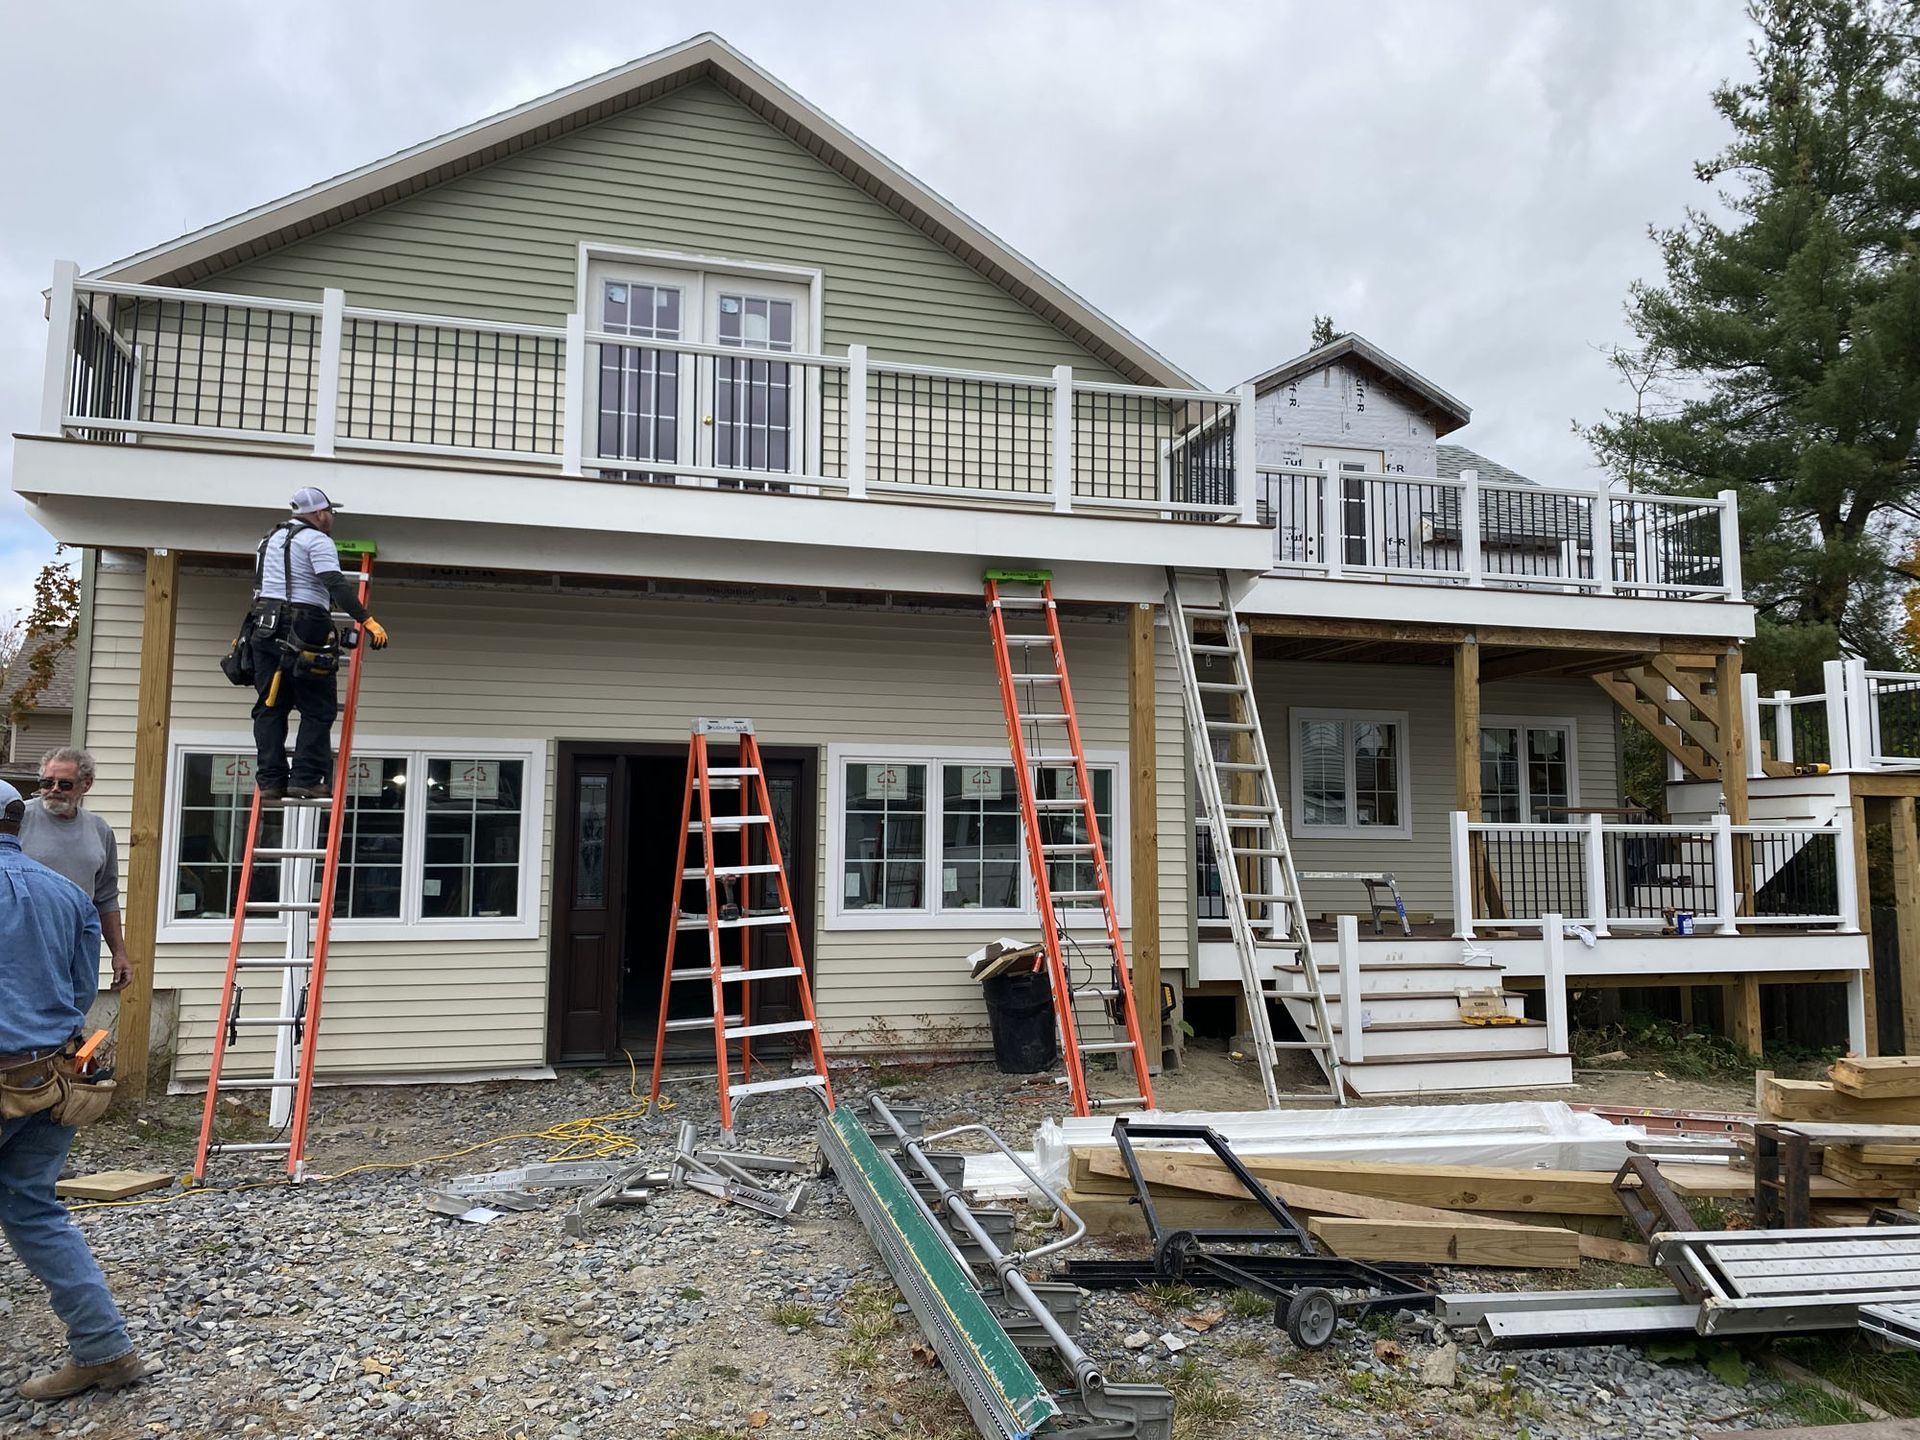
689	1292
1804	1405
1249	1305
790	1313
724	1372
1166	1295
1201	1404
1889	1379
868	1309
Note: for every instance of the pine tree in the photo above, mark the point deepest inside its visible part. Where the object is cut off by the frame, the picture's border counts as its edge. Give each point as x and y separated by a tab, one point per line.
1786	336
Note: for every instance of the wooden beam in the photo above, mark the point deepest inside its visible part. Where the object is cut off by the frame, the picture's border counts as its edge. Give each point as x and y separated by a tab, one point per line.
1449	1242
1687	682
1696	761
1906	898
1681	648
1743	1013
154	715
1817	1100
1884	787
1863	892
1651	980
1143	754
1702	728
1889	1078
1466	727
1572	663
1733	741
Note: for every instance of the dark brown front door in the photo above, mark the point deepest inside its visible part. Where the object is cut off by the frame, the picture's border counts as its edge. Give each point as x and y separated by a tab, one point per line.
615	843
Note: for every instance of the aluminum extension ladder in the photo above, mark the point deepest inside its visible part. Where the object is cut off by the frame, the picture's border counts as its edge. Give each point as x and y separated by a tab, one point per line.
1063	831
302	967
1268	922
726	910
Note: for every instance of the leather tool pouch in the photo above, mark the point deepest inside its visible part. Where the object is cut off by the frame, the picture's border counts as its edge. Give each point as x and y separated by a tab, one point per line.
28	1089
81	1102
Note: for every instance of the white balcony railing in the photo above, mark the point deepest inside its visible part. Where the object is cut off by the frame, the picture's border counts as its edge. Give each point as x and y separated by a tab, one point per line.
1469	531
1727	878
141	363
1861	719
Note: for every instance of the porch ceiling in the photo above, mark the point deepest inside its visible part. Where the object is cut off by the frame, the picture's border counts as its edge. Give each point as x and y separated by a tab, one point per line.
1497	662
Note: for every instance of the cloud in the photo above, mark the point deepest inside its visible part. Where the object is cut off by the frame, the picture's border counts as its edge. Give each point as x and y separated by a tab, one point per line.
1468	186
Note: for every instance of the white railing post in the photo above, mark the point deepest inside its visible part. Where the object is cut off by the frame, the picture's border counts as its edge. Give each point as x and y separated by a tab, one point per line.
1833	683
60	322
1463	916
1862	723
1783	726
1730	543
1553	982
1726	901
574	358
1246	473
326	408
1063	437
1333	535
1596	856
1846	873
856	427
1471	560
1750	719
1353	1048
1602	517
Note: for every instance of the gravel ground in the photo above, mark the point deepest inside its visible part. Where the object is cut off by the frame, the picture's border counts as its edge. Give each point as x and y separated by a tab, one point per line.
346	1308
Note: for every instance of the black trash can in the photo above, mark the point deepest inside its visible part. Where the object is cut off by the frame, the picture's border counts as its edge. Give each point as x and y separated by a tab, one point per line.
1020	1012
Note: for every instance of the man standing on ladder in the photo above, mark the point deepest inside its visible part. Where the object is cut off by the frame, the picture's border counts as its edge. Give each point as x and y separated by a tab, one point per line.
297	586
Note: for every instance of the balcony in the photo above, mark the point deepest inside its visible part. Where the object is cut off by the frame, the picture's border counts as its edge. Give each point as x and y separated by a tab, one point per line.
667	433
1860	720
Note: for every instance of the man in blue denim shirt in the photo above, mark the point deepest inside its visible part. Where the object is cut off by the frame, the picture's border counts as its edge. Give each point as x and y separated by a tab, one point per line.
49	973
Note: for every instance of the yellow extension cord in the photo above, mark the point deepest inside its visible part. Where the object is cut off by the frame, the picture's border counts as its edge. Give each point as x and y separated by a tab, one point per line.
586	1137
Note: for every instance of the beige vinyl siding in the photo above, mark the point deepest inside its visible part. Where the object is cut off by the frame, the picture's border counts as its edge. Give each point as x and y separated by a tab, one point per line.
528	666
1420	862
37	732
694	172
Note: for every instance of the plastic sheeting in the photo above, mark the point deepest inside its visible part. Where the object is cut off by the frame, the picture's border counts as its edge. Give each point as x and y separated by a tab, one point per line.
1515	1134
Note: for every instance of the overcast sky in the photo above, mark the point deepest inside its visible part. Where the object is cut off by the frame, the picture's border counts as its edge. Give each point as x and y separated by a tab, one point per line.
1468	185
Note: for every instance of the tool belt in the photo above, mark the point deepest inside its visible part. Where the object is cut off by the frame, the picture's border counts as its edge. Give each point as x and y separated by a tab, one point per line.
305	636
31	1085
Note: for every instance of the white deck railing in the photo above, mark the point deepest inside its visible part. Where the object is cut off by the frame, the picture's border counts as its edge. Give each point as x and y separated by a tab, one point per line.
1469	531
142	363
1727	878
1860	720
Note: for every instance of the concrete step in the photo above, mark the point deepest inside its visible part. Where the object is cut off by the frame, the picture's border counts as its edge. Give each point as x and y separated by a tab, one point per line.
1455	1074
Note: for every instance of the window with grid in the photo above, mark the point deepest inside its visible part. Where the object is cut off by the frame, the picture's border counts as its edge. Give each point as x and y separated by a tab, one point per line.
980	861
1350	772
216	798
1526	773
639	405
471	858
372	840
885	855
753	399
1069	827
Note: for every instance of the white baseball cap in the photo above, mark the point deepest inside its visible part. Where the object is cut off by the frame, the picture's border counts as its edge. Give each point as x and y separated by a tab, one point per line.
309	501
10	797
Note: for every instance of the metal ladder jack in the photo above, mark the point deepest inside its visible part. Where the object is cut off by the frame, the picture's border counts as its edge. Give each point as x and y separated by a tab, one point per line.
307	912
726	910
1259	884
1065	854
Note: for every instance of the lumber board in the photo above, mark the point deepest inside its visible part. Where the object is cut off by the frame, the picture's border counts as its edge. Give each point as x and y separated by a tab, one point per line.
1723	1182
1444	1187
1458	1241
1111	1215
1887	1077
1817	1100
112	1184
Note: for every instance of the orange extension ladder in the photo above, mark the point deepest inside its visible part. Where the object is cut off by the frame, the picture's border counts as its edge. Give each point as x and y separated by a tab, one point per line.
302	968
1063	832
727	911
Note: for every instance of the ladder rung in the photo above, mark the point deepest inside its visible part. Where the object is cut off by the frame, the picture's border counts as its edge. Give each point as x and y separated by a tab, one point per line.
1221	687
1238	727
1215	649
1303	1045
262	1021
699	1022
1066	849
762	1087
1023	602
1026	719
1059	805
1067	759
725	870
743	923
1238	809
720	770
1106	993
1266	896
728	822
1048	679
257	1084
1248	765
273	964
731	973
771	1027
1105	1047
308	907
1109	1102
279	853
235	1147
1029	639
1075	894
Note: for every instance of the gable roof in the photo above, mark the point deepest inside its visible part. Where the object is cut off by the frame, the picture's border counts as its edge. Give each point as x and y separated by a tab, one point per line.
1450	461
1450	414
204	252
57	697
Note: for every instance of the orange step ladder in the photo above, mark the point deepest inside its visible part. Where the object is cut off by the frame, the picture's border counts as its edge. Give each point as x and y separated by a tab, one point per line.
1065	852
754	842
302	968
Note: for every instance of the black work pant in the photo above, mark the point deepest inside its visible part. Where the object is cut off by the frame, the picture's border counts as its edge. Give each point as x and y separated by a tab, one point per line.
316	697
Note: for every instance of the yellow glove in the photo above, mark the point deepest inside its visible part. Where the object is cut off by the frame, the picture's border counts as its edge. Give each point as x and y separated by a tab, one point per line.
376	633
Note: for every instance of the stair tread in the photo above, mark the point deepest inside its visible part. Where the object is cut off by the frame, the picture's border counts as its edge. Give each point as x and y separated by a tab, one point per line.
1408	1026
1456	1057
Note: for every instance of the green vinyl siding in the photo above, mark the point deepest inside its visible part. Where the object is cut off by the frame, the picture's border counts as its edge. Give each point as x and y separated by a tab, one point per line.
694	172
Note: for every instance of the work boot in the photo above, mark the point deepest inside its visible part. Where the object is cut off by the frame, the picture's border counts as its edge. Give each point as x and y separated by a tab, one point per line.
73	1378
316	791
271	795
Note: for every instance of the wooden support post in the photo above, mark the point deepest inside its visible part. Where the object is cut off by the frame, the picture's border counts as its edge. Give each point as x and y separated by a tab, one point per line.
1144	800
149	814
1906	897
1743	1012
1863	889
1686	1009
1733	767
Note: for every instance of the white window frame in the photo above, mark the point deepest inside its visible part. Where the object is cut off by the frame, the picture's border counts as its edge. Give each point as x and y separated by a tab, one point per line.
932	916
526	925
1301	829
1540	722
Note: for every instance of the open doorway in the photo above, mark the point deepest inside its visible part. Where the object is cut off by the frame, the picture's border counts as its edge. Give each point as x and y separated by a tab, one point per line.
616	840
